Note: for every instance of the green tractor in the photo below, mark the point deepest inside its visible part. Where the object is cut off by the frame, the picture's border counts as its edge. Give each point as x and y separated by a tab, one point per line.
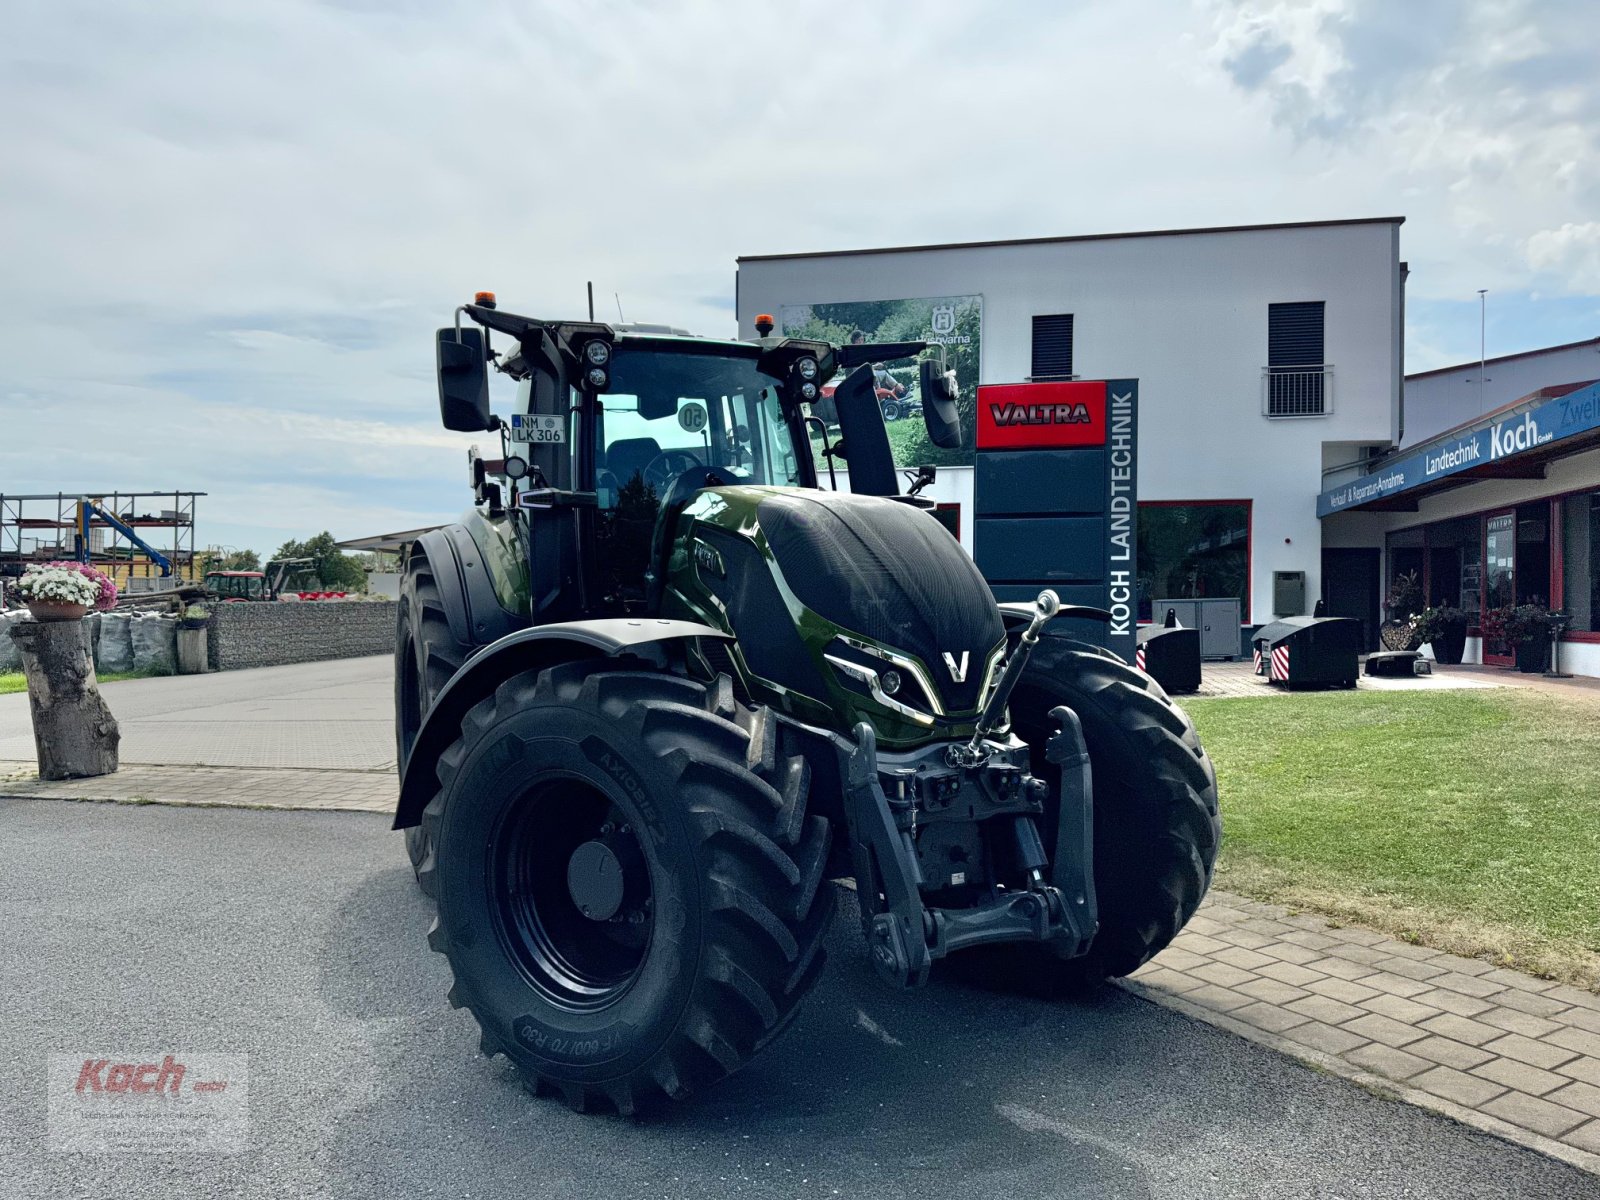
658	688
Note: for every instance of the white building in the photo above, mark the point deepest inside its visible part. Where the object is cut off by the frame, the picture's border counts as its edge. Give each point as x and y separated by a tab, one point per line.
1265	355
1444	398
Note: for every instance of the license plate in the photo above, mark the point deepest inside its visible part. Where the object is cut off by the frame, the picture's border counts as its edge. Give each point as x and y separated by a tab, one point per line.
529	427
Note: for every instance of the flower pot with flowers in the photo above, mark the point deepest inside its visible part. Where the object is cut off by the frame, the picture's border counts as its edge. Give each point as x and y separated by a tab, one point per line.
1444	627
65	591
1523	627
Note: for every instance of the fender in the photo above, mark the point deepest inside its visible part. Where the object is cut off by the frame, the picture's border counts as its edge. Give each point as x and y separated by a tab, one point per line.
523	650
475	615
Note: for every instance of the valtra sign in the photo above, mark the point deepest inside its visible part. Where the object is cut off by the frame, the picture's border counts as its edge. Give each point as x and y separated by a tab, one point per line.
1055	493
1041	416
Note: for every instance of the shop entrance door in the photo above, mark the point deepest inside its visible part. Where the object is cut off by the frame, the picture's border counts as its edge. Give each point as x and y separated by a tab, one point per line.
1500	577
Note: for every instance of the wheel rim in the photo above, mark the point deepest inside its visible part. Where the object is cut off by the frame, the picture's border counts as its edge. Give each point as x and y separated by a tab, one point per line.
569	890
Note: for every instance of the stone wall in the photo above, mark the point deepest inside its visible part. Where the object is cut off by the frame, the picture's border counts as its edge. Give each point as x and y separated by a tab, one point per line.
269	634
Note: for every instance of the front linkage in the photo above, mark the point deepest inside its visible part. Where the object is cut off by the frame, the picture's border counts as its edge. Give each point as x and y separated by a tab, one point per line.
915	814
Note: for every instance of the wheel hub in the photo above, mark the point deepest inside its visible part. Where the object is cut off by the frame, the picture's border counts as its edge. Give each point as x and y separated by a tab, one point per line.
595	880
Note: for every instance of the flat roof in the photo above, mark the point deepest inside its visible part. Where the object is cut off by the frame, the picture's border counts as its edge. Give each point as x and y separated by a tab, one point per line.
386	541
1078	237
1502	358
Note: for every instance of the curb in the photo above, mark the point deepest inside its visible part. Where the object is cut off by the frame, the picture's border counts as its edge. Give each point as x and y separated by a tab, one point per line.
1388	1089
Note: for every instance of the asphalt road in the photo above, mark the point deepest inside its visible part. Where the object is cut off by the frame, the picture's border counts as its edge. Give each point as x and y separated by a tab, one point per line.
298	939
335	715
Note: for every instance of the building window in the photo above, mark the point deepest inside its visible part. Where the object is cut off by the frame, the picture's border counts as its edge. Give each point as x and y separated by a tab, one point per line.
1296	378
1194	549
1052	347
1580	553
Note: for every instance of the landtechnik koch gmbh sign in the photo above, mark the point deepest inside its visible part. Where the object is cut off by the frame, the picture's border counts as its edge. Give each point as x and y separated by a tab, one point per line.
1564	417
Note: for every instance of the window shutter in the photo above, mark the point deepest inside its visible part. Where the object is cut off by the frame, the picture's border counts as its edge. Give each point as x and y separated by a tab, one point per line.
1294	334
1052	347
1296	377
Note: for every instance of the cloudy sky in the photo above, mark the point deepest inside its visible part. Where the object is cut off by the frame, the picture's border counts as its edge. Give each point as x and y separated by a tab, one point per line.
230	229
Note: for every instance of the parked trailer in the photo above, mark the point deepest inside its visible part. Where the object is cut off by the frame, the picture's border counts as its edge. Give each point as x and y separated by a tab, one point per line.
1309	651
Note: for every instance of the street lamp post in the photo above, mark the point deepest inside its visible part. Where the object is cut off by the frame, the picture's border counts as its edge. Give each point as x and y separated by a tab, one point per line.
1483	309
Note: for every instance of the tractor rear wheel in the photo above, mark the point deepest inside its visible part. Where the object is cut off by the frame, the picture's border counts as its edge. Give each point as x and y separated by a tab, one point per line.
426	655
630	888
1156	823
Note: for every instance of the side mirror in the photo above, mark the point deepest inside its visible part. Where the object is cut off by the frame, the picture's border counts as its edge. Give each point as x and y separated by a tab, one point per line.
862	430
463	381
939	395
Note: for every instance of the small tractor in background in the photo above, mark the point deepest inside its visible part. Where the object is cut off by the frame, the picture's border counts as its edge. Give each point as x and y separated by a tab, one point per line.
657	688
229	586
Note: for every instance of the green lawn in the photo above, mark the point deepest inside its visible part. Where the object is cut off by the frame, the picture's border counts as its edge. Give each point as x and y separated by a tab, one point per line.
14	681
1468	820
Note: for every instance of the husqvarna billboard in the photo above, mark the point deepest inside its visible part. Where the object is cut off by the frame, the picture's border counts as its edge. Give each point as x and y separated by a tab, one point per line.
1055	498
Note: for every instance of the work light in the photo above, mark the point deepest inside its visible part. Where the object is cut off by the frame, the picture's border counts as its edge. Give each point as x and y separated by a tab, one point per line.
806	368
597	378
597	352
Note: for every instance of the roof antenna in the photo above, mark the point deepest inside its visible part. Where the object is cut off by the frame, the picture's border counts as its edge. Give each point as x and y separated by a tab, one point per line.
620	317
591	299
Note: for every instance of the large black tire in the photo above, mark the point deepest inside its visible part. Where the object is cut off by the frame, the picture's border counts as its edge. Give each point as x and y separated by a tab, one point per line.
426	655
1156	824
730	933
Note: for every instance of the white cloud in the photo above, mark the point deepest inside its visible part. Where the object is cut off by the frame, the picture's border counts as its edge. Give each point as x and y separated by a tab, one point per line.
1572	251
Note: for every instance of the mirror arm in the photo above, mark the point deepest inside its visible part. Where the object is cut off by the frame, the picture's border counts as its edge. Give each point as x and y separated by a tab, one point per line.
827	450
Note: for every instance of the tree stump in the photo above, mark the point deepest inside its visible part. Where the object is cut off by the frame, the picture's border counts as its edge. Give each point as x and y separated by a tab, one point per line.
73	731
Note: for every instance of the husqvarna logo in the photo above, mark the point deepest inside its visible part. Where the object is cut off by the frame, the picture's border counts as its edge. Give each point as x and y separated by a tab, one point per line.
943	320
957	668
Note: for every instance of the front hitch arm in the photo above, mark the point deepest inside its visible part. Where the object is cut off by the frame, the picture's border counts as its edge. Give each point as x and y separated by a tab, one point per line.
904	935
1072	866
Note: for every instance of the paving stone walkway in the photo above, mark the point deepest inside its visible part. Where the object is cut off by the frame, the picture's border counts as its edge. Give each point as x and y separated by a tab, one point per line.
1239	680
216	787
1496	1049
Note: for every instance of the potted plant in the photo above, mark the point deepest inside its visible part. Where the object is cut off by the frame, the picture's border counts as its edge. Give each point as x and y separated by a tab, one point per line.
1523	627
194	617
65	591
1444	627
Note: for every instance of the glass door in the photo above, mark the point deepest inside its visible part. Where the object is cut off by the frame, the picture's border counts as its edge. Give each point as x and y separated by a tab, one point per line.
1500	578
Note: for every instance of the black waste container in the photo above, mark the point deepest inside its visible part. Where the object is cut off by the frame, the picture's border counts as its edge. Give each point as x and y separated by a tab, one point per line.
1170	655
1309	651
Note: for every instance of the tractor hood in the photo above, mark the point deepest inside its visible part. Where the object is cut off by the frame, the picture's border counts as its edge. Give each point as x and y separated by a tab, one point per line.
891	574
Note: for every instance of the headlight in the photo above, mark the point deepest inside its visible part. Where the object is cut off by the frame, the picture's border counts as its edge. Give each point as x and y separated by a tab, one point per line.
597	352
891	680
808	392
597	378
806	368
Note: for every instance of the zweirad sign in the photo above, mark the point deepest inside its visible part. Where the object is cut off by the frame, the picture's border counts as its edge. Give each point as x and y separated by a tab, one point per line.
1055	490
1565	416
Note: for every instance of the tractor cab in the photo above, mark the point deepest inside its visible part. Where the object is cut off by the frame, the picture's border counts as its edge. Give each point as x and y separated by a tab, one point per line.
615	430
237	585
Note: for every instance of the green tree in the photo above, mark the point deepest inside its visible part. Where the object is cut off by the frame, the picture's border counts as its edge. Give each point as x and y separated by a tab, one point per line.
334	570
240	560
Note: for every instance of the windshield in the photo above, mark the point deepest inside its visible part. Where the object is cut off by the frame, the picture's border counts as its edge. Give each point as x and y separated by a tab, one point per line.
667	414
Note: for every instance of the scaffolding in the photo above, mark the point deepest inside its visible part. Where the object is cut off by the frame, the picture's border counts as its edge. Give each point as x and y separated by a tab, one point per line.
45	526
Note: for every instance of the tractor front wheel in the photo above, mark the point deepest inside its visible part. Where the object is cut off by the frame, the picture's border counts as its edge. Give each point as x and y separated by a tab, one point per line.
629	885
1156	823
